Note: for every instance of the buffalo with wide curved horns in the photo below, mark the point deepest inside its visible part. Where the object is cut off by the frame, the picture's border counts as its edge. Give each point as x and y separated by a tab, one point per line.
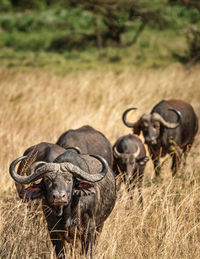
79	191
170	128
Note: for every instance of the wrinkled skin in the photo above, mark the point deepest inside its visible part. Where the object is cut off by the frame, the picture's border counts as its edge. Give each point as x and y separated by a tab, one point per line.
162	140
131	160
75	210
58	191
89	140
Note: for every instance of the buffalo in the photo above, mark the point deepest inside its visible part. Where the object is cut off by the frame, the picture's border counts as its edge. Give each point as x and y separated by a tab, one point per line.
170	128
130	160
89	140
78	194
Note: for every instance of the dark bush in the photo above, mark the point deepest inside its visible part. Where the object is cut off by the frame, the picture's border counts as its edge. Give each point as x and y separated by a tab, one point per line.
70	42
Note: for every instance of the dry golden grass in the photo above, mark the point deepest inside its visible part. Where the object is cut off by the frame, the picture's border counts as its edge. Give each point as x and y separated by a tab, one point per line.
39	106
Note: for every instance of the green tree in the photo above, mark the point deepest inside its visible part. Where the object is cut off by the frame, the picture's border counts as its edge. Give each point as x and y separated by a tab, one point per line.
112	18
192	55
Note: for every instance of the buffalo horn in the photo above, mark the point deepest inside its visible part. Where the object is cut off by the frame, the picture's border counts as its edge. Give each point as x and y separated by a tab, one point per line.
77	149
137	152
170	125
177	113
38	169
123	155
124	115
79	173
24	179
118	154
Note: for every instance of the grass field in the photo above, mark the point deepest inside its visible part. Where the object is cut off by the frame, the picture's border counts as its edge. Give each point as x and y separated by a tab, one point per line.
39	106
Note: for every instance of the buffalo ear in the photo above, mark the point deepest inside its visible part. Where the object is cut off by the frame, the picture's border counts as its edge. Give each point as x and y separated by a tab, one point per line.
136	130
33	192
83	185
143	160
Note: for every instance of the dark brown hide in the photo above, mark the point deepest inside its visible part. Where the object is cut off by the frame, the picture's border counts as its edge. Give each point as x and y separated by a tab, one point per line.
89	140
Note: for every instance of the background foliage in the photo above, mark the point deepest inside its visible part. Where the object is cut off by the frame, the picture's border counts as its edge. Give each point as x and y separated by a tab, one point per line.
67	26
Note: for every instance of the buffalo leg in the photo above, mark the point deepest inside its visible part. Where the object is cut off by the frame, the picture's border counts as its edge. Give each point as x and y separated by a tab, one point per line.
176	160
58	245
155	156
137	181
91	239
157	167
88	240
139	185
186	151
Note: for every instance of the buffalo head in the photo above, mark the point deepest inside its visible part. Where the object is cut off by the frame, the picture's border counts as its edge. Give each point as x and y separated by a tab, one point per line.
129	162
151	125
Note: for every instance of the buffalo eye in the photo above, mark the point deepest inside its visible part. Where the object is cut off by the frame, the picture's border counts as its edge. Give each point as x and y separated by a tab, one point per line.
48	181
68	179
156	124
145	124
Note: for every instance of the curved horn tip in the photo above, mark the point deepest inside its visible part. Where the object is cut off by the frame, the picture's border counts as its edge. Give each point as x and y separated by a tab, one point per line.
77	149
137	152
79	173
115	152
128	124
103	162
15	162
100	158
12	166
129	109
177	112
23	179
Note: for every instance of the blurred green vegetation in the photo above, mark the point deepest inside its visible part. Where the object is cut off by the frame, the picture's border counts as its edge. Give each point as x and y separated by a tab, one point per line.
84	35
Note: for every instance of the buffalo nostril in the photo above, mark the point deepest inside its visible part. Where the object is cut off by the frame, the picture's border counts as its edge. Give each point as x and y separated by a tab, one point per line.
57	196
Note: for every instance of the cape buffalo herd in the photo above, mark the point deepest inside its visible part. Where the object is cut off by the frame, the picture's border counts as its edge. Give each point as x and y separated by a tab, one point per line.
76	177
